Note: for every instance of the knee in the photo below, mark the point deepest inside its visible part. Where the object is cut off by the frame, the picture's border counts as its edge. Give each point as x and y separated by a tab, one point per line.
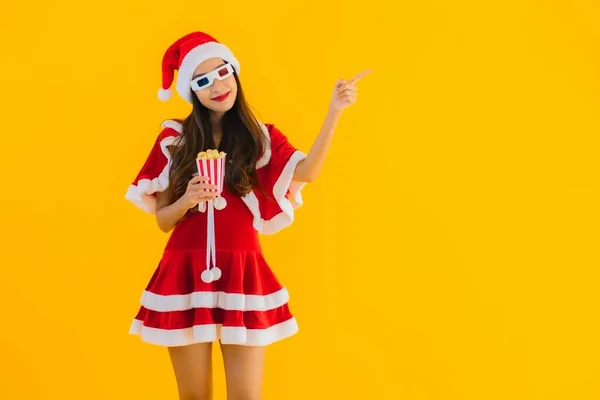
244	396
196	395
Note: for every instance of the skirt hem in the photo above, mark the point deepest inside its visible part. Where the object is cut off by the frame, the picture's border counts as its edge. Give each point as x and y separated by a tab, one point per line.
237	335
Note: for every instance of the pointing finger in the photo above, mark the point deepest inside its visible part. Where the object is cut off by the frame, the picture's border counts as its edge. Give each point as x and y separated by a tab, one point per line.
360	76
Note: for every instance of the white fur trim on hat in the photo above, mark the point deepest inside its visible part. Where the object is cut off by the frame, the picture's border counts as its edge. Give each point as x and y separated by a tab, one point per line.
194	58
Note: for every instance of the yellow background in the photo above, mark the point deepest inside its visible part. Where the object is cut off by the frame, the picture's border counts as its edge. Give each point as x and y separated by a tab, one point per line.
449	250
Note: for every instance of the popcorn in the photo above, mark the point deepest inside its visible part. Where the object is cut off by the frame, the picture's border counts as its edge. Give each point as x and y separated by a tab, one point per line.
211	154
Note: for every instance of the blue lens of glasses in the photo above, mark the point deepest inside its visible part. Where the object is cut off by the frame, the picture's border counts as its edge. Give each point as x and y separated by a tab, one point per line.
202	82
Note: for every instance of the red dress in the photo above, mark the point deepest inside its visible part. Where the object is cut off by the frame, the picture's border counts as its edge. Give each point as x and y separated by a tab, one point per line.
247	305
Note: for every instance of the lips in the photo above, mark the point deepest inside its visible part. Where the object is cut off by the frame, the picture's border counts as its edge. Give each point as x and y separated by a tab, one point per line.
221	97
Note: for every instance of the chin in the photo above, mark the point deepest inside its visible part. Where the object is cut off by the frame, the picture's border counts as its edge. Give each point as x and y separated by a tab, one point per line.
222	107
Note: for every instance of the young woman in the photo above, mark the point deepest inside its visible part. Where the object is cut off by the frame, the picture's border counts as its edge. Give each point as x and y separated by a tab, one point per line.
212	282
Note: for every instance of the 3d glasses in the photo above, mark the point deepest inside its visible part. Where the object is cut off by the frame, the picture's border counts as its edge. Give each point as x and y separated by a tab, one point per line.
206	80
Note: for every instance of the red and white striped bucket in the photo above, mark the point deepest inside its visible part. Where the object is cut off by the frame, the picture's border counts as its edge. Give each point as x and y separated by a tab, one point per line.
214	169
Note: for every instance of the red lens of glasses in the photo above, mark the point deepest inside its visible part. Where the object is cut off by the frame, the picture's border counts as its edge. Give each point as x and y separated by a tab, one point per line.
223	71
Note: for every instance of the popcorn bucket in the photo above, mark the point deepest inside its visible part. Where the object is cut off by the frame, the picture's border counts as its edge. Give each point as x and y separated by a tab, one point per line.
211	164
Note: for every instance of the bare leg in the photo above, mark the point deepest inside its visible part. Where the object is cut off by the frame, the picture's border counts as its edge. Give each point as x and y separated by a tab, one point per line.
244	366
193	370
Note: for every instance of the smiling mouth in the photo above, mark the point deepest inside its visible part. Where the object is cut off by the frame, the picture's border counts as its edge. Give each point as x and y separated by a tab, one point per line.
221	97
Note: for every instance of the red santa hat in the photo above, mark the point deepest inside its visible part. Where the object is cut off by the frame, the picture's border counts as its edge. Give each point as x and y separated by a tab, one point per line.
184	56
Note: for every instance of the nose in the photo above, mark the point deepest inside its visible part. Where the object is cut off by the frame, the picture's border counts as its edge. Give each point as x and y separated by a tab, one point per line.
217	86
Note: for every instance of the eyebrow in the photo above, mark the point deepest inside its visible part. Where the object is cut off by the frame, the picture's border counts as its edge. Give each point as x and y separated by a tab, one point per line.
204	73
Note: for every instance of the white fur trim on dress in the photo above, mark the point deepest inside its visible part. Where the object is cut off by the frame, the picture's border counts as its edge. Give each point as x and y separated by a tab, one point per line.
194	58
266	156
211	332
173	125
141	194
225	301
284	183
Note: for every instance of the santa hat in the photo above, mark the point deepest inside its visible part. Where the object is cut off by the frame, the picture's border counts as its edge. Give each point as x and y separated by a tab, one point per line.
184	56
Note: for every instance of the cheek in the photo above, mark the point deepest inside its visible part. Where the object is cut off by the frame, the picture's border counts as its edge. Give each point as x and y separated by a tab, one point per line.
203	95
231	83
233	86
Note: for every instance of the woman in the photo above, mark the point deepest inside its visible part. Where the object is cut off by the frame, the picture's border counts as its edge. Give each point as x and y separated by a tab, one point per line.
212	282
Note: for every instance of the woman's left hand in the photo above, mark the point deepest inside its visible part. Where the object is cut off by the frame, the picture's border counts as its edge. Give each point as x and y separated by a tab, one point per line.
344	92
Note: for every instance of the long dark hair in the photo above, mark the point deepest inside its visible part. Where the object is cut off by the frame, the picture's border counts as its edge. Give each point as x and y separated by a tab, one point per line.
242	141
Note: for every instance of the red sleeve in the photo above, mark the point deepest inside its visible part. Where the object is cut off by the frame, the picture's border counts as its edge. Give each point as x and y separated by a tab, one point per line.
153	176
283	194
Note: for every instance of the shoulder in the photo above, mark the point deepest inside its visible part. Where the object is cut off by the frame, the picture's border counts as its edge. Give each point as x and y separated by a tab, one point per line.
272	136
170	134
275	138
170	128
272	131
278	141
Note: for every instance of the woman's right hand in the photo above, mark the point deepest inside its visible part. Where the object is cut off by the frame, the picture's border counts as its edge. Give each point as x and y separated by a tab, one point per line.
198	191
